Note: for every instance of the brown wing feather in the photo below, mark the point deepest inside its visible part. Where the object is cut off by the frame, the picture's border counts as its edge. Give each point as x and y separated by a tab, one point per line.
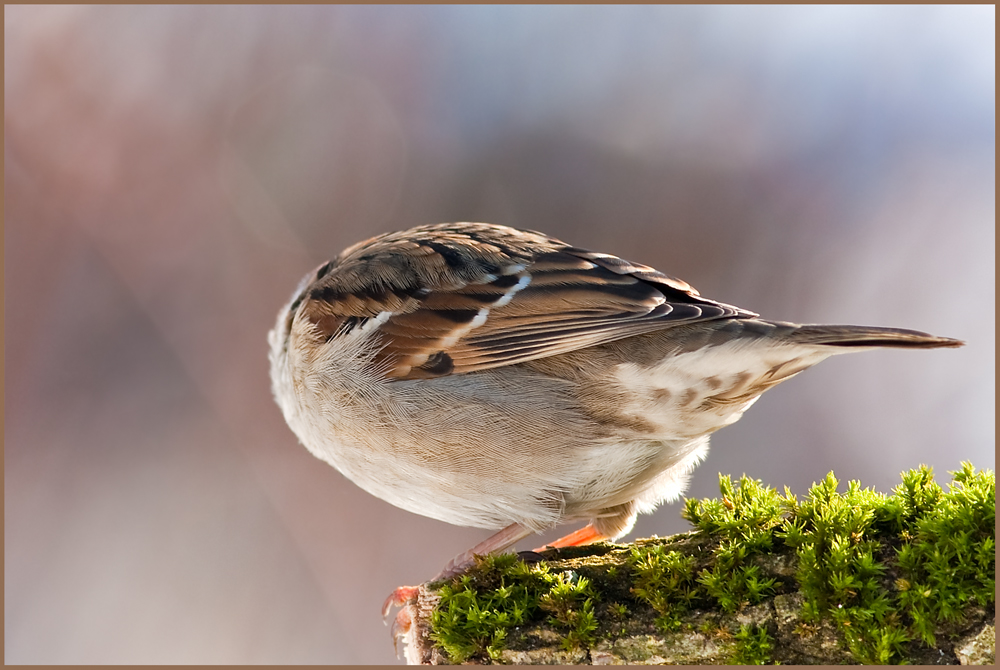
486	296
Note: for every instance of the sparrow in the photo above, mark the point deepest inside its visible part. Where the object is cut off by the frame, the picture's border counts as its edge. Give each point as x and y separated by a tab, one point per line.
499	378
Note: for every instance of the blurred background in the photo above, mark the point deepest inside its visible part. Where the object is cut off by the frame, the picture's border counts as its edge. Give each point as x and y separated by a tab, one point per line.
172	172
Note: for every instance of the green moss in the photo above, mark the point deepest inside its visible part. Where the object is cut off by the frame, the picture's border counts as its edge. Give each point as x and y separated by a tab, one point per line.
839	548
665	580
941	543
744	519
949	559
570	602
742	524
618	616
889	571
477	609
754	646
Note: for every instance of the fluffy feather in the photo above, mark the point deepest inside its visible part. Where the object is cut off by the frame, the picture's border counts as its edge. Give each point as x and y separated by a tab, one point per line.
492	377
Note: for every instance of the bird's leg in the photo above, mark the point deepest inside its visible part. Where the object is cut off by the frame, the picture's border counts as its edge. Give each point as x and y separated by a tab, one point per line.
586	535
491	545
405	595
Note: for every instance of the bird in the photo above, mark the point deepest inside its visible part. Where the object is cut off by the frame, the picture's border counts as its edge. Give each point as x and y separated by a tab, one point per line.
499	378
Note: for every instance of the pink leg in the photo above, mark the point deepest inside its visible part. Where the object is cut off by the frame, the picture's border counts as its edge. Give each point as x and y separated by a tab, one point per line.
586	535
491	545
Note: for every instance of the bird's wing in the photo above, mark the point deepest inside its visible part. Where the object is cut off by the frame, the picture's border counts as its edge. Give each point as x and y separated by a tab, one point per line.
469	297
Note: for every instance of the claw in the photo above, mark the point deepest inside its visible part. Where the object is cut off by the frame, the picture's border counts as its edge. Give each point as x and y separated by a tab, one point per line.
403	597
398	598
400	627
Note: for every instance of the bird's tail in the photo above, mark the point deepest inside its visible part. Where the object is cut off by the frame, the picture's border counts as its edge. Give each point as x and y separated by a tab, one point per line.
870	336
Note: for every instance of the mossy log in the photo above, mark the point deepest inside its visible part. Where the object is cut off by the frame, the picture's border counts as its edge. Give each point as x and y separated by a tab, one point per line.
852	577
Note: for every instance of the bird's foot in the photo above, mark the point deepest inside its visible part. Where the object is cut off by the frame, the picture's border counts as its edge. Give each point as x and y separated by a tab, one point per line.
398	598
405	598
586	535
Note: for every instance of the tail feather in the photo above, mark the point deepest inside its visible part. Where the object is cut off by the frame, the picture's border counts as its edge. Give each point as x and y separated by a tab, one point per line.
871	336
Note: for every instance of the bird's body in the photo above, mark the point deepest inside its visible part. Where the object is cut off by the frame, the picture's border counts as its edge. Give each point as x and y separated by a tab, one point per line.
492	377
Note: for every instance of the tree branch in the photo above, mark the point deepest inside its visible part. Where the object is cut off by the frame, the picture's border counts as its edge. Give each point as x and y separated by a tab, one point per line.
835	578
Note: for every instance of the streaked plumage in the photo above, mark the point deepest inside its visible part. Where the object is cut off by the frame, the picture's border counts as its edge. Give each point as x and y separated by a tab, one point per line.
493	377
